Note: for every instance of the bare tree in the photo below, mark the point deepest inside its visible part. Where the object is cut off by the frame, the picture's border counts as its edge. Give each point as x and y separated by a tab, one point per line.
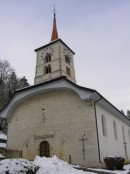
5	72
9	82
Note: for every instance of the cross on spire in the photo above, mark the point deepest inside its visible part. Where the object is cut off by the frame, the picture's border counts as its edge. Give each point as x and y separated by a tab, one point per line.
54	35
54	10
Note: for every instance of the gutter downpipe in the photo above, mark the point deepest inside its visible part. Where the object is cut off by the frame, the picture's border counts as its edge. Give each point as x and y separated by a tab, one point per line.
97	128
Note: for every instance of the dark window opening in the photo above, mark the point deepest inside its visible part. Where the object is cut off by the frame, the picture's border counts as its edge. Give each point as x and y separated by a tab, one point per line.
67	59
47	69
68	71
47	58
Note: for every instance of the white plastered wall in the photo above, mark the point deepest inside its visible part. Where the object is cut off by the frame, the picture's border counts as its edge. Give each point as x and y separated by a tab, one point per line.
109	146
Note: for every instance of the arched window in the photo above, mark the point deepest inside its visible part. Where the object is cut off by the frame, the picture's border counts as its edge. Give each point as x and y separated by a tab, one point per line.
68	72
47	69
104	126
115	130
129	135
47	57
67	59
123	134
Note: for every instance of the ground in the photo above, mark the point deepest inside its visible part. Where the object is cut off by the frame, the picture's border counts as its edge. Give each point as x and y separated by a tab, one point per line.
46	166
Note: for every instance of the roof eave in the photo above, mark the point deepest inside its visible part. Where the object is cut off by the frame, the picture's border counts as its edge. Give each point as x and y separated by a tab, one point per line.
53	42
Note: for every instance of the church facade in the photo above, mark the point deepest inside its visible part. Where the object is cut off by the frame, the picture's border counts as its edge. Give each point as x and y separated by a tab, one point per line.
56	116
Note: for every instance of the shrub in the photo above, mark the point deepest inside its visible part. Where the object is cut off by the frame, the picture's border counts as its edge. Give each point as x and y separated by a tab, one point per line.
8	166
110	162
119	163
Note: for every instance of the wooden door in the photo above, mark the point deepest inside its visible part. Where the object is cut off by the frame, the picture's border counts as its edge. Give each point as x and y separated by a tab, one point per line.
44	149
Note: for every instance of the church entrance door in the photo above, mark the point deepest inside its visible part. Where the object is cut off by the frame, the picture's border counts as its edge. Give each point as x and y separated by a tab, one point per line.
44	149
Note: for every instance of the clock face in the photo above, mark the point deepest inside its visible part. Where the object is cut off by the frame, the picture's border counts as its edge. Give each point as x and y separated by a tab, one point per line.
48	50
67	52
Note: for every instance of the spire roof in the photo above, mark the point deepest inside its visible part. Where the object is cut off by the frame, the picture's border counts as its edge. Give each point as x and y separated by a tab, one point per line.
54	35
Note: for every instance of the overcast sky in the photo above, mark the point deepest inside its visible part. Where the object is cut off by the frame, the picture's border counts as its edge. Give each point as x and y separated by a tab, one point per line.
98	31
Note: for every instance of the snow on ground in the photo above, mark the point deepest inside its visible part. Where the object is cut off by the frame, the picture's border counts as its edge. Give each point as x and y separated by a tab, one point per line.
55	166
3	145
3	139
1	156
16	166
46	166
3	136
125	171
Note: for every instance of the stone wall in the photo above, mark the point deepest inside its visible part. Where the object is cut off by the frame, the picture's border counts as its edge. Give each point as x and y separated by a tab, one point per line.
58	64
10	153
62	119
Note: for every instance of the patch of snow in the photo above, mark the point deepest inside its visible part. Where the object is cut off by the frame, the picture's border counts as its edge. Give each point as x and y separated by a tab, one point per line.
1	156
47	166
55	166
3	145
125	171
16	166
3	136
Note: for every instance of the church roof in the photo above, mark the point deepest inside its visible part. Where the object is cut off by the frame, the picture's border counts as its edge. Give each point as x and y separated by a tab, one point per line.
51	43
54	80
61	83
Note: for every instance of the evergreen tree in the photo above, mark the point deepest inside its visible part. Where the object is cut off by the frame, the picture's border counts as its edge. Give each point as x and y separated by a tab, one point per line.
122	111
128	114
23	82
12	84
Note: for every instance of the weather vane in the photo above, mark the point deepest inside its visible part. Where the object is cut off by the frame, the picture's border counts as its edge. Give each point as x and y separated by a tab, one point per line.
54	9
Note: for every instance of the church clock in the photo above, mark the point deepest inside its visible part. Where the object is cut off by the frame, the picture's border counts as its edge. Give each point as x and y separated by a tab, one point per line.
54	60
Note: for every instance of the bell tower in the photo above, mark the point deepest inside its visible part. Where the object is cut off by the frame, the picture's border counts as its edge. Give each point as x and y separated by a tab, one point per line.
54	59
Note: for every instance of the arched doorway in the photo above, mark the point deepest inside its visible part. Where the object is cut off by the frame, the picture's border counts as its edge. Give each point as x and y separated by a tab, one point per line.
44	149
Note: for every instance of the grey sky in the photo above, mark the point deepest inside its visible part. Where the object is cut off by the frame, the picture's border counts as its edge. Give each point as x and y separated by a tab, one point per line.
98	31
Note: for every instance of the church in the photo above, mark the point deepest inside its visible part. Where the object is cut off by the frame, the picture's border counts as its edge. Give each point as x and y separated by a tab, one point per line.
56	116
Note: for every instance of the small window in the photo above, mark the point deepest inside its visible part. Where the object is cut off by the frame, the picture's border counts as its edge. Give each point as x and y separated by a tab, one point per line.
115	130
104	126
67	59
123	134
68	71
129	135
47	58
47	69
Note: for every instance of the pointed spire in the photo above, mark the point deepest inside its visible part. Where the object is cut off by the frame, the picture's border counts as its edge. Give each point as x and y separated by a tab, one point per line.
54	35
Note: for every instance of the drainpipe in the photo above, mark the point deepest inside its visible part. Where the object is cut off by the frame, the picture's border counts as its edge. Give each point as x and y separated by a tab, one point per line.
97	128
